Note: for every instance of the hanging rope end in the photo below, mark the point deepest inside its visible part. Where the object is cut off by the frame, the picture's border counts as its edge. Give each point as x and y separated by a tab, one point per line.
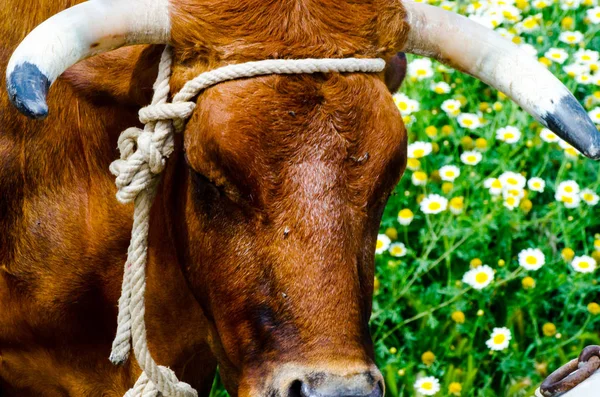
118	358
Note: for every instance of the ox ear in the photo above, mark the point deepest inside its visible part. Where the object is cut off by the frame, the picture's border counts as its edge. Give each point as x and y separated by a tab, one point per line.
471	48
77	33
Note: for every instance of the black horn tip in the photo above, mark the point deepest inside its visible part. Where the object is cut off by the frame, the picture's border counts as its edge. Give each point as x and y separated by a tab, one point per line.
27	89
570	121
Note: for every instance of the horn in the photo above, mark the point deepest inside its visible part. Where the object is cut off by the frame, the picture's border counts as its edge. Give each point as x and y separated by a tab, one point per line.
79	32
471	48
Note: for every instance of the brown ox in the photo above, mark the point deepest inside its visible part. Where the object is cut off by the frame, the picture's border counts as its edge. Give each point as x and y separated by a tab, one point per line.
262	234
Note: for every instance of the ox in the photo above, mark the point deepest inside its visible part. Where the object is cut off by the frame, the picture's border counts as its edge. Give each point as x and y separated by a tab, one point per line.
262	235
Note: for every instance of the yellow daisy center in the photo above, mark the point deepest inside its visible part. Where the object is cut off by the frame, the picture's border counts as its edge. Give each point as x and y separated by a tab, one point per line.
471	159
379	244
510	200
567	199
421	72
569	189
509	135
512	181
427	385
434	206
419	153
403	106
584	265
496	184
467	122
481	277
531	260
588	196
555	55
405	214
500	338
397	250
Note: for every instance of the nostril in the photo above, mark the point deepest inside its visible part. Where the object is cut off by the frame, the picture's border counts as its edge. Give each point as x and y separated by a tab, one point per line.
378	391
296	389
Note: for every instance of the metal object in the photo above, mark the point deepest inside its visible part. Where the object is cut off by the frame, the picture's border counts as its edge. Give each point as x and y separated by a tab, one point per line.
579	371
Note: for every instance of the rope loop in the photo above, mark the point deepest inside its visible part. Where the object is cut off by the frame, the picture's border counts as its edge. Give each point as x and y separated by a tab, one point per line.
143	157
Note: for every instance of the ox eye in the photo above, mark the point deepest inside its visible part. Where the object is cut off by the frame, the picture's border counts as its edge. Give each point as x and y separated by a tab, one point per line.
204	187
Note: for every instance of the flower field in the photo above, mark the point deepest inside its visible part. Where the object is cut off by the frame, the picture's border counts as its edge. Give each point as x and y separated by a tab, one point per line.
486	261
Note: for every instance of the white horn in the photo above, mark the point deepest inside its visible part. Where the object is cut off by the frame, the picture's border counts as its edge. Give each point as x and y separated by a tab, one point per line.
77	33
471	48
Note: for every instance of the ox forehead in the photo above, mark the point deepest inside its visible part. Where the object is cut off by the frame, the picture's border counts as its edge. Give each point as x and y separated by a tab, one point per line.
259	253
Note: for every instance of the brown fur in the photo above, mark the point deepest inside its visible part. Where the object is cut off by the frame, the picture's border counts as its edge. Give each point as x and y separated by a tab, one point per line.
261	245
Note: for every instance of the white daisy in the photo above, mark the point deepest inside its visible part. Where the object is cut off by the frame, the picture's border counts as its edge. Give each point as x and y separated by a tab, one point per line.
575	70
584	264
569	187
405	104
427	386
440	87
548	136
557	55
585	78
517	193
397	250
451	107
469	120
419	149
420	68
569	4
536	184
472	157
494	185
593	15
531	259
434	204
569	200
419	178
511	202
570	151
382	244
512	180
586	56
499	339
589	196
508	134
449	173
529	24
479	277
541	4
569	37
595	115
405	217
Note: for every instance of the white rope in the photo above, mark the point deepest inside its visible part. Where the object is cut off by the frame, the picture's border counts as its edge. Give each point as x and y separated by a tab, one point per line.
143	156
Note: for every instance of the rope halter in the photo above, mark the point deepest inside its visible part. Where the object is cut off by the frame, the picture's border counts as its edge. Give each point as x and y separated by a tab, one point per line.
143	158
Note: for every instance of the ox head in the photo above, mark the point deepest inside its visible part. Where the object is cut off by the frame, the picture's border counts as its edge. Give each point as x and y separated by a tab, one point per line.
284	178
